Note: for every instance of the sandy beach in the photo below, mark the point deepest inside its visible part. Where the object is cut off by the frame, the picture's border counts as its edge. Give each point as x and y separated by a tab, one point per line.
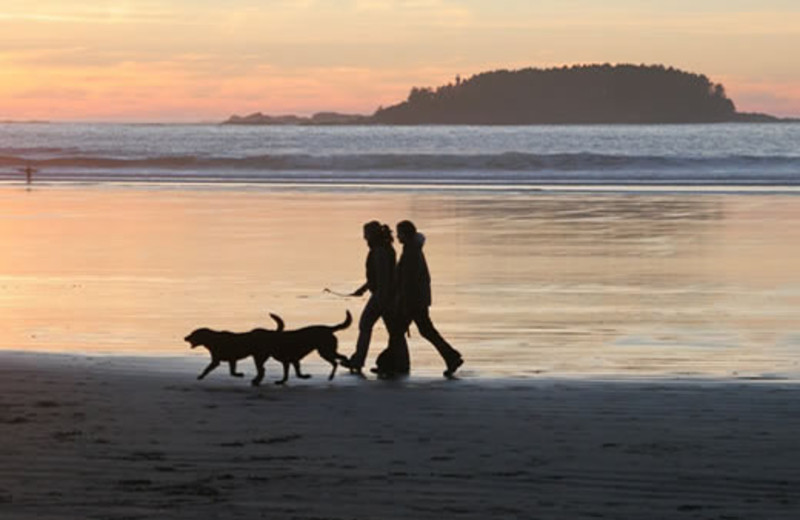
628	355
112	438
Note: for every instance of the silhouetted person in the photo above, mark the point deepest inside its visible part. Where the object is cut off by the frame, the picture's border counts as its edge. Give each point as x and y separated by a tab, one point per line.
380	283
413	291
29	171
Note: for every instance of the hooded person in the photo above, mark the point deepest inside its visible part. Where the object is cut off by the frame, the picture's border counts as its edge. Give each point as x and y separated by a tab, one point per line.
413	296
380	265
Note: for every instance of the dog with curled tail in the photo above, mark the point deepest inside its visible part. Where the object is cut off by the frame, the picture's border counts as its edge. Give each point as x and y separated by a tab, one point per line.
291	346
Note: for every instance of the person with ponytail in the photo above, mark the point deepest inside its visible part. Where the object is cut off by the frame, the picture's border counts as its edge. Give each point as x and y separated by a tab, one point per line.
380	267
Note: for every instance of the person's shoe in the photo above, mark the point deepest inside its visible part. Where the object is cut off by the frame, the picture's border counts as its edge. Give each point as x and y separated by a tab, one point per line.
382	374
452	366
348	363
356	371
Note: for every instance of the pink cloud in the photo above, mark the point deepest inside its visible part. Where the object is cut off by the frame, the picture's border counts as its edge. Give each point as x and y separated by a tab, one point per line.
776	98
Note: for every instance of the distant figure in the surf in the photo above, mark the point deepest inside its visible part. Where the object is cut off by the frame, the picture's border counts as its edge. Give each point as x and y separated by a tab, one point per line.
380	267
28	171
413	301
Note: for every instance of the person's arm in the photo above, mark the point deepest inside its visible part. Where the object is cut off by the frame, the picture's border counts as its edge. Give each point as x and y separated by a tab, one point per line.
408	286
383	275
360	291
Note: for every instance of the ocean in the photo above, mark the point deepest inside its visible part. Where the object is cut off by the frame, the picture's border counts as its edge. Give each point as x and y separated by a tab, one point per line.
715	155
561	251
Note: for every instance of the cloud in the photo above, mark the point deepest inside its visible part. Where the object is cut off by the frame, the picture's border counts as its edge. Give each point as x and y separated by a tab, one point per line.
194	87
776	98
52	12
426	12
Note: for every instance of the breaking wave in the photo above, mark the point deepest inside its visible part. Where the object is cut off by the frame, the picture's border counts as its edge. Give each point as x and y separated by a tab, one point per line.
763	155
512	167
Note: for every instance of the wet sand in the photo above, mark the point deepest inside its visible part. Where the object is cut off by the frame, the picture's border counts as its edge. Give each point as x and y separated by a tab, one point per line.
114	437
575	284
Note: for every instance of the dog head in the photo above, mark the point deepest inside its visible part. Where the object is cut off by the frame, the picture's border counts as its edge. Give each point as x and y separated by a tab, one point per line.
198	337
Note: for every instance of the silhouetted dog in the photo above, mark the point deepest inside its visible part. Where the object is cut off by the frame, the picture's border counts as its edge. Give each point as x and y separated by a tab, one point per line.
290	346
233	346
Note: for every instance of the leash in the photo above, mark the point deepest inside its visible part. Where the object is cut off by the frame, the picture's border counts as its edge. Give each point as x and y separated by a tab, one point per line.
335	293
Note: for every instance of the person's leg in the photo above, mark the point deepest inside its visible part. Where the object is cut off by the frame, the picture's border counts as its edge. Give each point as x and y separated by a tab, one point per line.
398	344
369	316
426	329
394	359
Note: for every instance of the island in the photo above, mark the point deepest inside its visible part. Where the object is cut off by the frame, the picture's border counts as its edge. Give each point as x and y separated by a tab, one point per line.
580	94
321	118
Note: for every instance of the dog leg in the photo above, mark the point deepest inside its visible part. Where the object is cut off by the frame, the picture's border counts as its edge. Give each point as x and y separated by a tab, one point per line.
297	371
214	364
285	373
234	373
259	362
329	354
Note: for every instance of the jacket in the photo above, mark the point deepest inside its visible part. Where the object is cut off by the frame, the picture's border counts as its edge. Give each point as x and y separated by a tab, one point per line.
413	281
380	274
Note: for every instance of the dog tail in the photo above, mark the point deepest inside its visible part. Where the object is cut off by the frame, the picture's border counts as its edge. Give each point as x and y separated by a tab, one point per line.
346	323
277	320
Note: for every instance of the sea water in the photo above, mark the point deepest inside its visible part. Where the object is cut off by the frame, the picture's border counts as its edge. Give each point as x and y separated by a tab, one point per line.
705	155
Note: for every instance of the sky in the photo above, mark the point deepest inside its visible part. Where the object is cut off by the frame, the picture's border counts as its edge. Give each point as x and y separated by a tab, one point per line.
203	60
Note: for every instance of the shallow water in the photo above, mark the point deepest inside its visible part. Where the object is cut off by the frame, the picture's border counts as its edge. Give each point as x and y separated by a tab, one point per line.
599	284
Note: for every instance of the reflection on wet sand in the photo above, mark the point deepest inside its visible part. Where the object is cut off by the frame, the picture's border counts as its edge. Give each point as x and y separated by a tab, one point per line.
633	283
558	283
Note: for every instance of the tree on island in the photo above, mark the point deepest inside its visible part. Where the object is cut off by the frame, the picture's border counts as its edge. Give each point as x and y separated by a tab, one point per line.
568	95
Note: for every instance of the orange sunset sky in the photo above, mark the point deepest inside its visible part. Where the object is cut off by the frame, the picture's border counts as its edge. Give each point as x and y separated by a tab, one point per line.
202	60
